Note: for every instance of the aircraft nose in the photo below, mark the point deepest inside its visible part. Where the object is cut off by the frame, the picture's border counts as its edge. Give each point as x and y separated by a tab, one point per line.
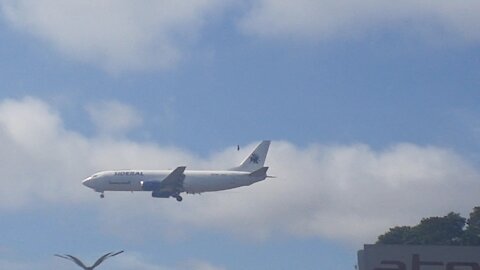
87	182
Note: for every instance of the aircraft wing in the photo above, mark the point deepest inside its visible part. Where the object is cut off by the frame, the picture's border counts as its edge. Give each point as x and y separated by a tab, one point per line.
174	180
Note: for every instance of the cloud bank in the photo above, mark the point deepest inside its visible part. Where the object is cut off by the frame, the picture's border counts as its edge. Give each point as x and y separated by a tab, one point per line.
112	117
327	19
114	34
121	35
348	193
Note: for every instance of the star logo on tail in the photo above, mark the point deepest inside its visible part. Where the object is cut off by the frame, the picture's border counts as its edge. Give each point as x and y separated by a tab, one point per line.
254	158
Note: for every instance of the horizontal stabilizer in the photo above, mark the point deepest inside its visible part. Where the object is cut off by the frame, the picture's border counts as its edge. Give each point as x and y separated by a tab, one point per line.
262	172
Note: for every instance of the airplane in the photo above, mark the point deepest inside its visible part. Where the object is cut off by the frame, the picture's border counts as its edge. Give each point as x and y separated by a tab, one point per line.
168	183
82	265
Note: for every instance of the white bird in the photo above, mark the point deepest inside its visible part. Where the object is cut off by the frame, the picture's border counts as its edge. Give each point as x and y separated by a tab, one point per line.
80	263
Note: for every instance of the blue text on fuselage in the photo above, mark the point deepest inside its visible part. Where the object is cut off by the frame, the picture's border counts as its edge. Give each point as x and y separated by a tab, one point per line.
128	173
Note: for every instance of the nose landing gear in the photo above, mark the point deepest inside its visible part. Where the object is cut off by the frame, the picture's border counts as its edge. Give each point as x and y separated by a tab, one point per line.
102	195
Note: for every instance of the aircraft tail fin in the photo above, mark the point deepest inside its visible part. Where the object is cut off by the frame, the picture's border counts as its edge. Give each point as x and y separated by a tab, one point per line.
255	160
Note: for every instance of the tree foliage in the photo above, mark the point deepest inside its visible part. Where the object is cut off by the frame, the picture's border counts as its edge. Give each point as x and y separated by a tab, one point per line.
451	229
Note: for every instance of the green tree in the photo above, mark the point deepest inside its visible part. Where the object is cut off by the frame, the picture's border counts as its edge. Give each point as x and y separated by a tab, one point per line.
451	229
472	233
397	236
447	230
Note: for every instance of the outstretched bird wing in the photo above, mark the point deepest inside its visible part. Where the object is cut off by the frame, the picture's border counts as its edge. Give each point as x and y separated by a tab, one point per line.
73	259
61	256
104	257
115	254
100	260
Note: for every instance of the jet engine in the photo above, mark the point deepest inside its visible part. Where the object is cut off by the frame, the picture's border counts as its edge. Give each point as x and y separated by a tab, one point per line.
161	194
150	185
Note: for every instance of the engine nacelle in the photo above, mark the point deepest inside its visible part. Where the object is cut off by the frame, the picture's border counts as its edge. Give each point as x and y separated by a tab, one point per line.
161	194
150	185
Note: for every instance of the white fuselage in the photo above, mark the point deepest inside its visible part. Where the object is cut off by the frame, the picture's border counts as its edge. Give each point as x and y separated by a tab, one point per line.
194	182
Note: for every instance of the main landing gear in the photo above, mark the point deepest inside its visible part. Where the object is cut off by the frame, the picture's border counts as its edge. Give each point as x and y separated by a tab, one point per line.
102	195
178	197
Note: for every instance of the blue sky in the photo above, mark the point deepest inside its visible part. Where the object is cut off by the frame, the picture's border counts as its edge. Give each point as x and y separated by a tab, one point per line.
372	109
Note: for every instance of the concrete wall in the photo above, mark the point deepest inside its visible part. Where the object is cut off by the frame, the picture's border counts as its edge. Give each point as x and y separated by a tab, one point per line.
404	257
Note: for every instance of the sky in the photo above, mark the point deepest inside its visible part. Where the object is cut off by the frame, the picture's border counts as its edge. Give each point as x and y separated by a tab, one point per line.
371	106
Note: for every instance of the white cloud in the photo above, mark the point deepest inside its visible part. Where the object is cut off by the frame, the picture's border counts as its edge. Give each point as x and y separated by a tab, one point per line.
115	34
326	19
121	35
49	162
349	193
39	159
114	118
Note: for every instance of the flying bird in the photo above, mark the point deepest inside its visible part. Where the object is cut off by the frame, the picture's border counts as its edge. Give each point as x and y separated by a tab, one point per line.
80	263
